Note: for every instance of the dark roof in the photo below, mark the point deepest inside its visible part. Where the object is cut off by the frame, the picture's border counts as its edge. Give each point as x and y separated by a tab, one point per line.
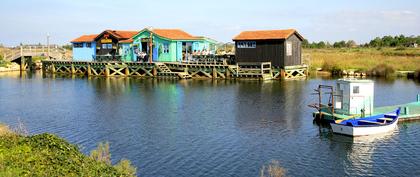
120	35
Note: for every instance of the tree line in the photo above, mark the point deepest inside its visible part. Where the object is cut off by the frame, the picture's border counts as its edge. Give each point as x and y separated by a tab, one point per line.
385	41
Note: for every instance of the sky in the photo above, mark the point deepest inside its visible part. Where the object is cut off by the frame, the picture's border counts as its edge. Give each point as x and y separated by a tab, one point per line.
29	21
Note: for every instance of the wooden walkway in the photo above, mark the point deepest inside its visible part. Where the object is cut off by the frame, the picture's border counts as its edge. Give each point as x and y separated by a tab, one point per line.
182	70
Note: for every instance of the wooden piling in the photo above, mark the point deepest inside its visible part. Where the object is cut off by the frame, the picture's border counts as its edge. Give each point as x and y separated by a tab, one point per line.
52	68
227	73
72	70
154	72
22	63
214	73
89	72
127	71
106	71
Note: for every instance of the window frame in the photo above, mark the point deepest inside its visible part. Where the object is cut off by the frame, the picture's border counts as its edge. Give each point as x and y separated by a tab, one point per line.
247	45
356	89
289	48
78	45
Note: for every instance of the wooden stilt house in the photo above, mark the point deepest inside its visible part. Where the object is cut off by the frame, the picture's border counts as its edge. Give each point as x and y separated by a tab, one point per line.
280	47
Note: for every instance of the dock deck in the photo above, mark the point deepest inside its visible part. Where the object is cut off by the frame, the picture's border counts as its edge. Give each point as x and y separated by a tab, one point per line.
409	112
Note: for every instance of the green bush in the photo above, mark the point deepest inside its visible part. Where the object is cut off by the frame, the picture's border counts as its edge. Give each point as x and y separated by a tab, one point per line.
49	155
332	67
382	70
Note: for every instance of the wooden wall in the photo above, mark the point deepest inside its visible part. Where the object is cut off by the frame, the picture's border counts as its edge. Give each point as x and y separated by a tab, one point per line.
273	51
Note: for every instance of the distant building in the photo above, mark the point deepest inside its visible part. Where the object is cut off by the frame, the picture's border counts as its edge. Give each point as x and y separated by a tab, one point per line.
413	45
280	47
84	48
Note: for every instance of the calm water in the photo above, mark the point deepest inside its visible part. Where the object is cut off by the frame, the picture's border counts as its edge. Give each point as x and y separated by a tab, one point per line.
209	128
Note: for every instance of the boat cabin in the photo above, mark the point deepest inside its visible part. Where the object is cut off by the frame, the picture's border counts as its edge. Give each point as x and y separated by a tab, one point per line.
354	97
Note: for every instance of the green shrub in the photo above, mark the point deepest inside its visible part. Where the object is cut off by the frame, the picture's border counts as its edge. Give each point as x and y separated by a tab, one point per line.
49	155
332	67
417	74
382	70
400	48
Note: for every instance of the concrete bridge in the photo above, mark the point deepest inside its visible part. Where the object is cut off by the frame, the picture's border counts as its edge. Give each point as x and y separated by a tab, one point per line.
23	54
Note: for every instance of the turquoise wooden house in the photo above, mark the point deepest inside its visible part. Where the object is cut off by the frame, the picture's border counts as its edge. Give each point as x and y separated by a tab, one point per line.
166	45
84	48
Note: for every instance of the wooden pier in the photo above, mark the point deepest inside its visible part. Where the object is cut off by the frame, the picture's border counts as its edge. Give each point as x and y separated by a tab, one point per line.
181	70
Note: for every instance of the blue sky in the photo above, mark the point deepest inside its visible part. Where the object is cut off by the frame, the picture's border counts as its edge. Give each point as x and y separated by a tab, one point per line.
28	21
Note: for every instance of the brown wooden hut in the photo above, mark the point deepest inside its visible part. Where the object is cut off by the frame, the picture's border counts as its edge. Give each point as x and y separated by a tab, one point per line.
108	42
280	47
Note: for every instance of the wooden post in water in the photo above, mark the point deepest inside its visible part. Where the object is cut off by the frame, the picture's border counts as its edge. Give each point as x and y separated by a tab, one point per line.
127	71
154	71
89	72
52	68
22	59
214	73
72	70
282	73
227	73
106	71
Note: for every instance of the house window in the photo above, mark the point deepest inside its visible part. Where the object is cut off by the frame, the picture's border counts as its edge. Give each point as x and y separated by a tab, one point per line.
106	46
78	45
247	44
89	45
289	49
165	48
356	90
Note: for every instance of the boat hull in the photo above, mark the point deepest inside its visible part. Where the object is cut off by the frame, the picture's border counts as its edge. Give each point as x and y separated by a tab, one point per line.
362	130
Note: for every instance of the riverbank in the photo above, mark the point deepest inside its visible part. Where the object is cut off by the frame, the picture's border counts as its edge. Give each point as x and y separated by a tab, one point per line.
49	155
371	61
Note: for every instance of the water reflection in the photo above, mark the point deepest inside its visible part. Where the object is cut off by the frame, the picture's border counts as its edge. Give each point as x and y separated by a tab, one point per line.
170	127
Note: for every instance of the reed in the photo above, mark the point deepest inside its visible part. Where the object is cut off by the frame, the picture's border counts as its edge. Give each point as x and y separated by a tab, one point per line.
273	169
364	59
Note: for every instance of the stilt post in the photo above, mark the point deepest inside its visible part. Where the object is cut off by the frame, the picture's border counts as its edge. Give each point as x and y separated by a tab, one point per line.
106	70
127	71
72	70
89	72
214	73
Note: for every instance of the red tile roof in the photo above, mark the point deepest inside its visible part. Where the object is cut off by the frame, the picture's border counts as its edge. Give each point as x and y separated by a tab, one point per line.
85	38
266	34
174	34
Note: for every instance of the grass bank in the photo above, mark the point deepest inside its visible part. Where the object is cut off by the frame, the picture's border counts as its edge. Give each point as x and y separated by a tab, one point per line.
363	59
49	155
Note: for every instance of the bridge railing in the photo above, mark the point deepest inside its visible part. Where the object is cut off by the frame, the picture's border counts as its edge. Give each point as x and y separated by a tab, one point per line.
34	50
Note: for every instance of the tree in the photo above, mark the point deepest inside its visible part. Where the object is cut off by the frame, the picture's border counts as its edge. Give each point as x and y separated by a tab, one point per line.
351	43
340	44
